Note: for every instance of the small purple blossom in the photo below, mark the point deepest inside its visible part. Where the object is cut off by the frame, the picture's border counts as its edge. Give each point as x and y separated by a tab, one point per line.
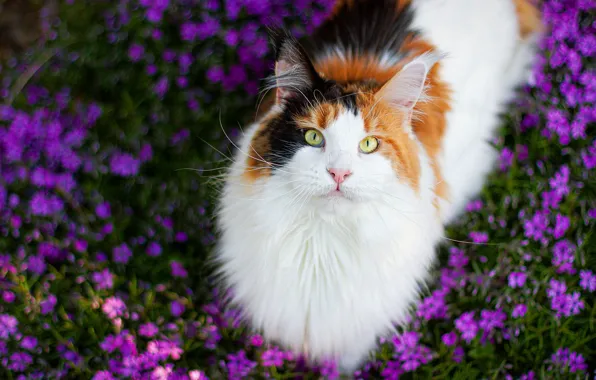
124	164
587	280
176	308
114	307
8	326
467	326
148	330
103	210
154	249
517	279
519	311
121	254
135	52
103	279
178	269
29	343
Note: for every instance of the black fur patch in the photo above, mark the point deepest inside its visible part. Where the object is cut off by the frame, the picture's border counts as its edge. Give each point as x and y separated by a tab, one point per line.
285	137
366	27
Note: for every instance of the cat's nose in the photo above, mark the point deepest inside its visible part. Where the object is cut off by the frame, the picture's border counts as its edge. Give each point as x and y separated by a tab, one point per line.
339	175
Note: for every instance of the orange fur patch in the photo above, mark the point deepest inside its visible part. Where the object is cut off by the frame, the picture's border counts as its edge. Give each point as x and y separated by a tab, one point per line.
354	69
529	18
256	165
430	122
385	123
320	116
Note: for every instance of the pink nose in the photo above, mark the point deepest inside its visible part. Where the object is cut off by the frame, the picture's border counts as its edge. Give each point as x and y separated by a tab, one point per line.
339	175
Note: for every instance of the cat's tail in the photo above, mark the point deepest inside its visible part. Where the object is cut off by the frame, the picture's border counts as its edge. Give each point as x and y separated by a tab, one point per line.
529	19
530	29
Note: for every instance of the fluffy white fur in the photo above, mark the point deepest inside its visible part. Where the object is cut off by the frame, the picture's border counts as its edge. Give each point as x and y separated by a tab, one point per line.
486	60
330	275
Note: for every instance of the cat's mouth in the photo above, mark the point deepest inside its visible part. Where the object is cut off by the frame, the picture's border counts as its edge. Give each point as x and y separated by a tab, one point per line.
335	195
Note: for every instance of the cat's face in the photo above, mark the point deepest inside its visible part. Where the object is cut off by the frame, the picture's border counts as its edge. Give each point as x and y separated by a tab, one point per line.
336	144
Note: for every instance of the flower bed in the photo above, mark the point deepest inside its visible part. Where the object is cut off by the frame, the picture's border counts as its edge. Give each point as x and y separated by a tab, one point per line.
105	236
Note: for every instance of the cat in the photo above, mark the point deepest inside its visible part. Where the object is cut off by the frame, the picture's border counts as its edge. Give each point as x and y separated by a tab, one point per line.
379	134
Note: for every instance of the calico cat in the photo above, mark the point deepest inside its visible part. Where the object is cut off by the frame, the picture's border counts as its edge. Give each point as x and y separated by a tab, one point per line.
378	136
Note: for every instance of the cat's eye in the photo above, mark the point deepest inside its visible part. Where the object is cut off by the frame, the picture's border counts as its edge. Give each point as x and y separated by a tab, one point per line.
314	138
369	144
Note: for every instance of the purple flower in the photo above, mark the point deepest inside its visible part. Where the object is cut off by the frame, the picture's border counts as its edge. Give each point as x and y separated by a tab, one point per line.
256	340
519	311
238	365
135	52
8	296
47	305
103	210
36	264
103	279
154	249
103	375
29	343
215	74
197	375
536	226
476	205
148	330
478	237
458	354
492	319
563	257
434	306
517	279
8	326
577	363
188	31
19	361
208	28
114	307
146	153
561	225
506	159
560	181
329	370
449	339
273	357
467	326
43	204
161	87
457	258
163	349
121	254
178	269
176	308
587	280
124	164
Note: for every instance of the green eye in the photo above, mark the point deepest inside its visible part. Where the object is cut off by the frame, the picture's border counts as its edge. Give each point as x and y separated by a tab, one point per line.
314	138
369	144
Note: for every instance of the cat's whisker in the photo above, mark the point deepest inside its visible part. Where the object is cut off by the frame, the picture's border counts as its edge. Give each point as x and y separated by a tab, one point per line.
238	148
217	150
473	242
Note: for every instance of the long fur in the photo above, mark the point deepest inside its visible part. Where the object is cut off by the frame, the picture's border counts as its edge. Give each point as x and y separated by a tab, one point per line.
327	273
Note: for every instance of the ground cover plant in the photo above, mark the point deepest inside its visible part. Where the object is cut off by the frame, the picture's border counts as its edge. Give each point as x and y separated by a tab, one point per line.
104	234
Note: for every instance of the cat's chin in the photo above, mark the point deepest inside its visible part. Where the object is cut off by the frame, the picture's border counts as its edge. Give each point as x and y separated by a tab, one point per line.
334	202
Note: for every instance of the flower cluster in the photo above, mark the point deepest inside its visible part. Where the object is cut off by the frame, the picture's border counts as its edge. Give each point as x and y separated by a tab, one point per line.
103	236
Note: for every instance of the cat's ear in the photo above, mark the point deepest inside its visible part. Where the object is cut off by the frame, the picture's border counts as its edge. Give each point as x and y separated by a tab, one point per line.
295	74
407	87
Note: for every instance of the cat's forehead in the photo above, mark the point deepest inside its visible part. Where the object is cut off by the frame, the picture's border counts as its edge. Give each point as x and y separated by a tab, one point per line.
346	111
